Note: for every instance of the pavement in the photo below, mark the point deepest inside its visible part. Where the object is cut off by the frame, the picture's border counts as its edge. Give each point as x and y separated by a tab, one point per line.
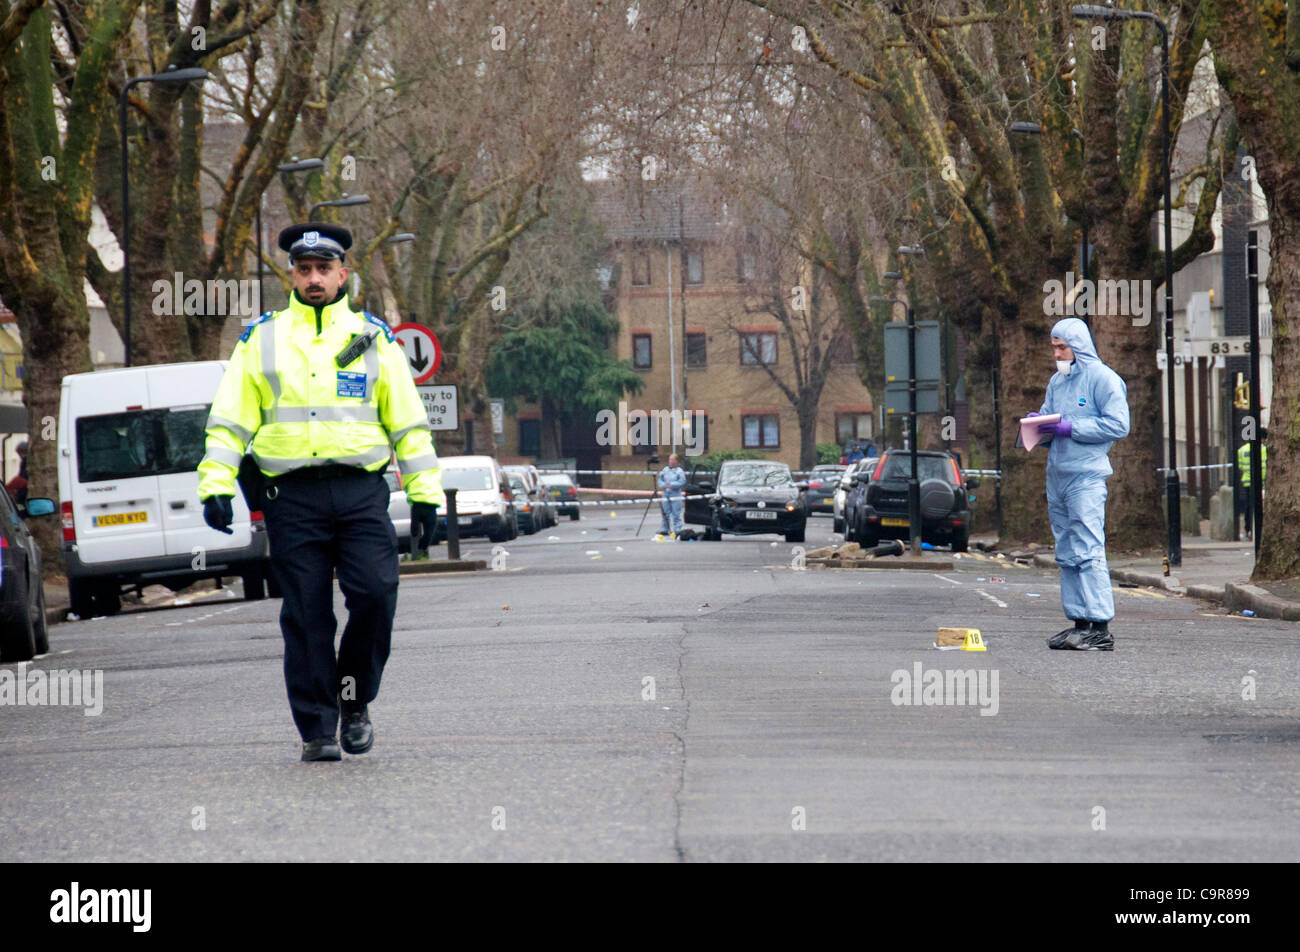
1212	570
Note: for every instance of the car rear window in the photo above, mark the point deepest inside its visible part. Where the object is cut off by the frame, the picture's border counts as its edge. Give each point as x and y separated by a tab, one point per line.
899	466
557	480
140	443
468	478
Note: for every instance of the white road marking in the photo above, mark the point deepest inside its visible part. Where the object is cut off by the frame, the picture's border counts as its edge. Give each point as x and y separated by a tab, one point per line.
945	578
996	601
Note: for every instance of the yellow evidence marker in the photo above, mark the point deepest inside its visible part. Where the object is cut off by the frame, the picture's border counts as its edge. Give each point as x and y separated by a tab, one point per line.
968	639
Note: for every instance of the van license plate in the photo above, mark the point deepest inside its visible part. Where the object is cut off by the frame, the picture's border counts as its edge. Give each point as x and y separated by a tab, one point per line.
893	522
760	514
119	519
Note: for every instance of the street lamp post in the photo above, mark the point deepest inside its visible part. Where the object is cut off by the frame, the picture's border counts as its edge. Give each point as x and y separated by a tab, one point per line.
1173	490
343	202
397	240
171	76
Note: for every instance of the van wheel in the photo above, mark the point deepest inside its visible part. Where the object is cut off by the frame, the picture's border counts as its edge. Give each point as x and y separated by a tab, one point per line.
254	587
82	595
18	638
106	599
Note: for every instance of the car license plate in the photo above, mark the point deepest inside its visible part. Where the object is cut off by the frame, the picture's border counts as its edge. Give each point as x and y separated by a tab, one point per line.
760	514
828	501
889	521
465	521
119	519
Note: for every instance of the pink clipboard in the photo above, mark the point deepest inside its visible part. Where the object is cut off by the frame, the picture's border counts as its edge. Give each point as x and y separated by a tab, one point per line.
1029	434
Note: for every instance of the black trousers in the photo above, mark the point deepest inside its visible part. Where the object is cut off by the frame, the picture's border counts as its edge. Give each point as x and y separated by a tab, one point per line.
316	526
1246	503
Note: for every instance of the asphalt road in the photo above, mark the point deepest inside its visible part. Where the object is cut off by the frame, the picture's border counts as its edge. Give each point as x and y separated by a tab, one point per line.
516	722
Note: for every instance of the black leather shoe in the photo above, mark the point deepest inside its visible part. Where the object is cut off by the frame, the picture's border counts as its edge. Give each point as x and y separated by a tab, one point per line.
356	734
322	748
1057	641
1096	638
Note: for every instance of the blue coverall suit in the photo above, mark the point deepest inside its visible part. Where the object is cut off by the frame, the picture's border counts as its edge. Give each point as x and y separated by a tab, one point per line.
671	480
1094	400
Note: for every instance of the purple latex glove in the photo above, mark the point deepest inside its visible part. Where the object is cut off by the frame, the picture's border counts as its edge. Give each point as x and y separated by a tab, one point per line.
1055	429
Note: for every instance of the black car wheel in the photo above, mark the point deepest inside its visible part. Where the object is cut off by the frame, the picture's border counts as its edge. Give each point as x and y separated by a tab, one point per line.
714	533
38	623
18	637
797	535
960	541
838	525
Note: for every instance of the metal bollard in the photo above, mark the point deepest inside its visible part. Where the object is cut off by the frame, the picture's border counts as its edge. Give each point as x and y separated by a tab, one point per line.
453	527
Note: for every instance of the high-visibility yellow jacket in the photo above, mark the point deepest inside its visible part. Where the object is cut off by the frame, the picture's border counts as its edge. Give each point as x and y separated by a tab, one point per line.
284	400
1243	463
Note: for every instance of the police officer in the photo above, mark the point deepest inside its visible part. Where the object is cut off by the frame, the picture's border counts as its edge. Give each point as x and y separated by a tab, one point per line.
1246	498
320	396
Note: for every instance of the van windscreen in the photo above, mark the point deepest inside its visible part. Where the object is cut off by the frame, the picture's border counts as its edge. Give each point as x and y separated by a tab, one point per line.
140	443
467	478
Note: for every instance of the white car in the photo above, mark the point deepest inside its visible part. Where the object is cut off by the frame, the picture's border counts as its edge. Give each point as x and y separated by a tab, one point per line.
129	443
399	509
484	506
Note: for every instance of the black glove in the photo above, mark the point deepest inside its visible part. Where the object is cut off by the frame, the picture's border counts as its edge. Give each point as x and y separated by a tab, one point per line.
218	513
424	524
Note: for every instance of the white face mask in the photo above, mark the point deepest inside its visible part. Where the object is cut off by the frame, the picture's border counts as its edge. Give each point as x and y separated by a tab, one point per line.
1064	366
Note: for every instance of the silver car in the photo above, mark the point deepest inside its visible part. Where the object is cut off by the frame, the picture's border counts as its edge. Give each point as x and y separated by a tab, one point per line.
842	489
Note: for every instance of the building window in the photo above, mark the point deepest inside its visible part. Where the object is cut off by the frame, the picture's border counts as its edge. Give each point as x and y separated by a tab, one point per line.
761	431
696	434
641	351
696	351
746	267
641	269
852	426
694	267
530	437
758	348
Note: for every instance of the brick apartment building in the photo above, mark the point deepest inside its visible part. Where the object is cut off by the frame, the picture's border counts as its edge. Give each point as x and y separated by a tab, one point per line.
680	279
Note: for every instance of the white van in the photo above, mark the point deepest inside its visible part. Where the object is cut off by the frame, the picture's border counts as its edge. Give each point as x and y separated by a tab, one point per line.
130	442
484	506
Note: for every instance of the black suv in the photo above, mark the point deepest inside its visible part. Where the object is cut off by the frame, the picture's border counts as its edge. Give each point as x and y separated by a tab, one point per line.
882	509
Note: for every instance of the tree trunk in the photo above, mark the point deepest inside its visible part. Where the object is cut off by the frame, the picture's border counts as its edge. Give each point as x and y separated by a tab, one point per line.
807	413
1026	352
1279	551
550	431
55	345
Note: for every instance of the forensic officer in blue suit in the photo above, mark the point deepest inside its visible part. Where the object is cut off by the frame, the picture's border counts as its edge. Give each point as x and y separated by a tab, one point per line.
1093	403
